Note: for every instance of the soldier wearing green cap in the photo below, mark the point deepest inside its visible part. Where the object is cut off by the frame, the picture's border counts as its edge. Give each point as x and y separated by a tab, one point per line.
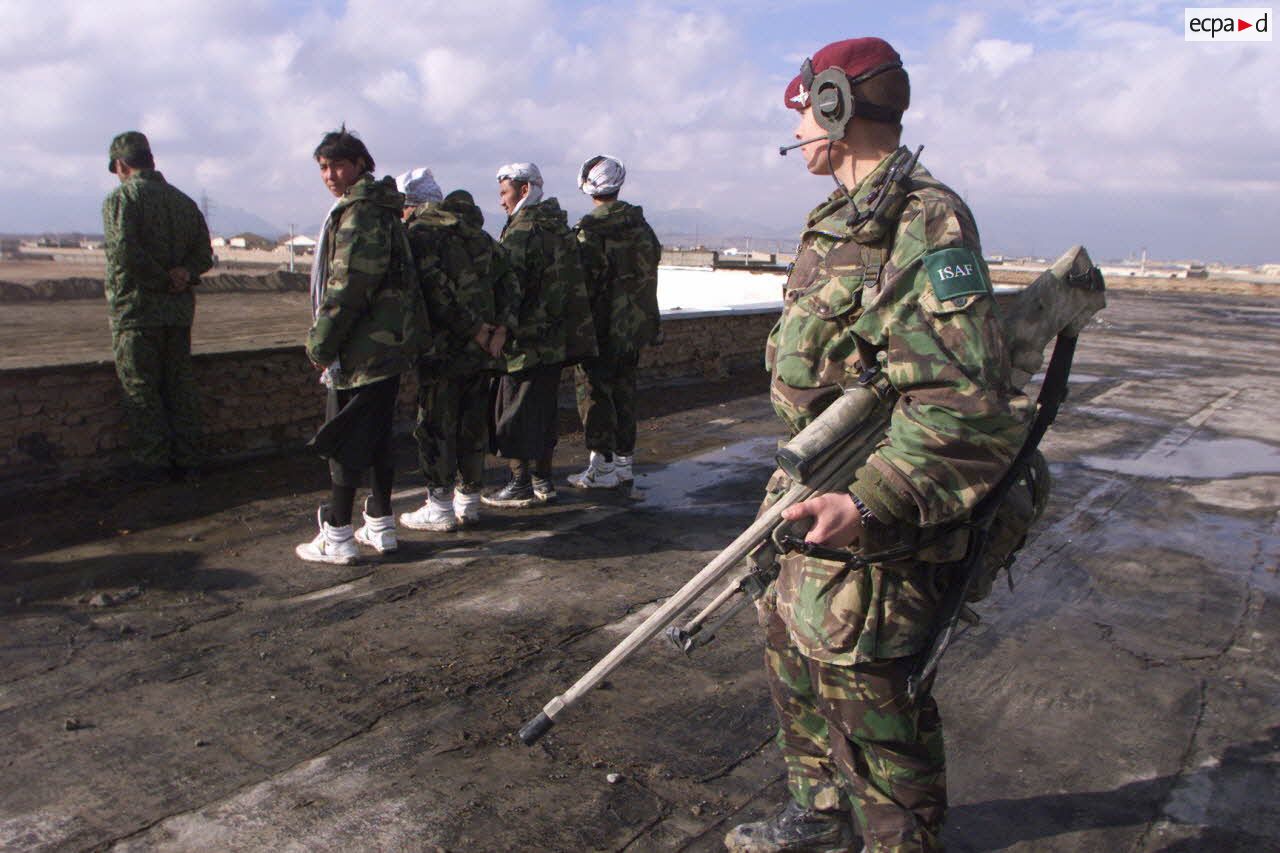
157	246
888	287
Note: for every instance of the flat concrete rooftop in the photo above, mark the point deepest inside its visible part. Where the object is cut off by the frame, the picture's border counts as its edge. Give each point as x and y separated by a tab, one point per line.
173	679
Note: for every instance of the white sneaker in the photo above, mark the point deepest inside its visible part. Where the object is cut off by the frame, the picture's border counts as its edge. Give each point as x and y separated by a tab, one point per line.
466	508
599	474
436	514
622	467
331	545
378	533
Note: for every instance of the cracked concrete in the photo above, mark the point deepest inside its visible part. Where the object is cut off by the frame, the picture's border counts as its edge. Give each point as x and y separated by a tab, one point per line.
1125	695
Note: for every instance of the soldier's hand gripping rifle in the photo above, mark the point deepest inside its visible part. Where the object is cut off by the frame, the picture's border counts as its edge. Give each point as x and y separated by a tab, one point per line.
824	457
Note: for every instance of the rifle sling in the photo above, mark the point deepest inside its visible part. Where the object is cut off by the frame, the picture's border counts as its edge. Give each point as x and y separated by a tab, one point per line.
1053	391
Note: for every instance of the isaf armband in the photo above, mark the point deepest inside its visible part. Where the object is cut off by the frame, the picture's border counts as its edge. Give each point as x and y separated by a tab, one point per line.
956	276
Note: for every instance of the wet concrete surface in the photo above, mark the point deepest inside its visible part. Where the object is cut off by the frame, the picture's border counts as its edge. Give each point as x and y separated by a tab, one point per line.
173	679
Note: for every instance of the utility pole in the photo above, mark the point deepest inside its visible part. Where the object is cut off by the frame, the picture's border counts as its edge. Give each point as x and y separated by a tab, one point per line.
290	247
206	208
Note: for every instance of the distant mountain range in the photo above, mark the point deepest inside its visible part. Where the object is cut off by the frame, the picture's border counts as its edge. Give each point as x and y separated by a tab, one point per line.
225	220
688	227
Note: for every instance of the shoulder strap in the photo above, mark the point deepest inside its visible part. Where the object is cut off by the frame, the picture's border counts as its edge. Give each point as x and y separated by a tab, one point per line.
1053	391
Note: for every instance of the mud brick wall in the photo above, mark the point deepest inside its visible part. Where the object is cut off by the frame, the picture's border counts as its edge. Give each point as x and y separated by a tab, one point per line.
66	421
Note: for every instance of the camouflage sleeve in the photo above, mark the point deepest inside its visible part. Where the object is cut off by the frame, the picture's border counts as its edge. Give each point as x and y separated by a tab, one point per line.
649	293
507	290
595	267
955	428
361	256
199	254
527	256
125	249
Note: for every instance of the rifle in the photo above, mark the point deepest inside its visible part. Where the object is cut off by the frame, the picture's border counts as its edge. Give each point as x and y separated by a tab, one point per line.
824	456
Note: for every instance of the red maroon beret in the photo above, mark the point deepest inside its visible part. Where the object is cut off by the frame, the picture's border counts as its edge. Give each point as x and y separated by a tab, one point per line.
855	57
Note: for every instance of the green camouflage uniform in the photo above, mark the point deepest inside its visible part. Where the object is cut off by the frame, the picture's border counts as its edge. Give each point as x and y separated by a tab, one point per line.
151	227
553	327
554	323
908	292
371	318
467	281
620	256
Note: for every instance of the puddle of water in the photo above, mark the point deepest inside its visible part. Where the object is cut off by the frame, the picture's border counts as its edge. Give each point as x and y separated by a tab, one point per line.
1198	459
738	472
1112	413
1074	379
1153	373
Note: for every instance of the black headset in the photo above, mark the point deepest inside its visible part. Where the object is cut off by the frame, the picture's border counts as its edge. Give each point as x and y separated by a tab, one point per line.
834	105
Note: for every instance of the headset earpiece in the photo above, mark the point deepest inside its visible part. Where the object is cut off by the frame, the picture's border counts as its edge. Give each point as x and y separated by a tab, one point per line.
832	100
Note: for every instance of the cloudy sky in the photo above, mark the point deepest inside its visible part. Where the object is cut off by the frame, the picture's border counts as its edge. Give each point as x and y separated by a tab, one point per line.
1080	121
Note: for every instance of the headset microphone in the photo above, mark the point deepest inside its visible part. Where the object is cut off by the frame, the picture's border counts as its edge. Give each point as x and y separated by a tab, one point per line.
783	149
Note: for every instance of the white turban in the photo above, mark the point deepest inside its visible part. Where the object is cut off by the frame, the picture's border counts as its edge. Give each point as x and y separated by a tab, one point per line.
419	186
602	175
529	174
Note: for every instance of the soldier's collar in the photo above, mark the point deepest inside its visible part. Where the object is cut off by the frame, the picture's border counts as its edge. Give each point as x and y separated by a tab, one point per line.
832	216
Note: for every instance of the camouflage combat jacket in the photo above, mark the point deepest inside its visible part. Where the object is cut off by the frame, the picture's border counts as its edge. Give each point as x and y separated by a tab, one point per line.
907	292
152	227
554	324
620	256
372	318
466	281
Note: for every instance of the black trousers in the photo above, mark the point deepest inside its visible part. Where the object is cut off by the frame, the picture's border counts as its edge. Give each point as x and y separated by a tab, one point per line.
526	413
356	434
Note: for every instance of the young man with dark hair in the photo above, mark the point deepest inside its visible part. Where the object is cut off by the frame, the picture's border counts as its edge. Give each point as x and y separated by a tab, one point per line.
369	323
157	246
620	255
869	300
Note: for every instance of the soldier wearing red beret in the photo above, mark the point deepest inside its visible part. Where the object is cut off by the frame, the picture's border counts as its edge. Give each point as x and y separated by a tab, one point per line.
889	287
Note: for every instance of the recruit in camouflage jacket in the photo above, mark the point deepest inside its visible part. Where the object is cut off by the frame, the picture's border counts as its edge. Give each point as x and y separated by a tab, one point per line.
152	227
620	255
466	281
908	291
372	318
554	325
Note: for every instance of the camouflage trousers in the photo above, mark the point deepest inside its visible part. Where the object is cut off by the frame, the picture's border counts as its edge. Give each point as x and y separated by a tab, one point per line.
606	390
162	406
452	431
852	739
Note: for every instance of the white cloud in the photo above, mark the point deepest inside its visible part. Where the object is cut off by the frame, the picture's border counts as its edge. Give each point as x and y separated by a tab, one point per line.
998	55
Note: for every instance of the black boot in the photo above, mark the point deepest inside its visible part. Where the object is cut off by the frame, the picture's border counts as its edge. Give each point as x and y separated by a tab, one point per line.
794	829
517	493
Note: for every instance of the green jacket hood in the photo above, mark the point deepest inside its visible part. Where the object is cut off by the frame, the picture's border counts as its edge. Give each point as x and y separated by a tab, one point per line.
468	212
433	213
614	218
381	192
546	213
